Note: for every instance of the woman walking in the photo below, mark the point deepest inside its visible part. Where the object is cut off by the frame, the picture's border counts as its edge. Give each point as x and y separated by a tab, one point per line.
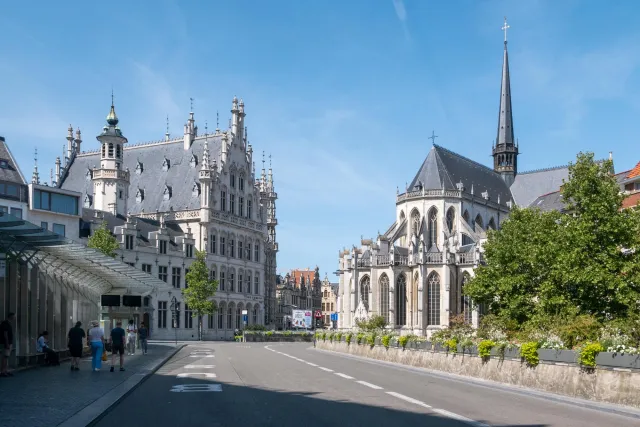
96	341
74	342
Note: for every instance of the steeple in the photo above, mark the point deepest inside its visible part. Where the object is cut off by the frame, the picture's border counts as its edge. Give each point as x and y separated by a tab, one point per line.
505	152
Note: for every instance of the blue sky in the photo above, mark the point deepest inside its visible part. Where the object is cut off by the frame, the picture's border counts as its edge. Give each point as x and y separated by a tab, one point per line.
343	94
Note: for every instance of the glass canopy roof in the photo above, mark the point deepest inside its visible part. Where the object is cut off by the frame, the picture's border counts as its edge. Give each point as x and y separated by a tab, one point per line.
87	270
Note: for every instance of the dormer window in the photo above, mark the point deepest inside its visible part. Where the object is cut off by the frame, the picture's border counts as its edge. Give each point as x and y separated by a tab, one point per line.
139	168
166	164
194	161
162	247
166	194
189	250
195	190
87	201
4	164
89	174
140	195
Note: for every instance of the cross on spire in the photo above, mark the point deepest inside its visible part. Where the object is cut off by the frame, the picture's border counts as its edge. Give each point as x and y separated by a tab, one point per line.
112	96
217	121
433	137
269	161
504	28
263	160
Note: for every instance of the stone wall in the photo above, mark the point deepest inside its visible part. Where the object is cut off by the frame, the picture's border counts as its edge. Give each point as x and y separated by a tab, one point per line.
604	385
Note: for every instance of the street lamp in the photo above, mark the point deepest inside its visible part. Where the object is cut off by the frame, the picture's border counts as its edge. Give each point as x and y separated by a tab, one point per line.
173	307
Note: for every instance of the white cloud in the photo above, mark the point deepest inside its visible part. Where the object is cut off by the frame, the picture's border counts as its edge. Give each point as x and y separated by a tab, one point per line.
401	13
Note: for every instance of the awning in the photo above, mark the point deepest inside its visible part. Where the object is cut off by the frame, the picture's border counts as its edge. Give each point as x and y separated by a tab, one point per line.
88	270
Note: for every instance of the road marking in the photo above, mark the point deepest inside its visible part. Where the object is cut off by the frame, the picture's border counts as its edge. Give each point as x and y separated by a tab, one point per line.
460	418
325	369
409	399
373	386
310	364
194	388
191	374
204	355
299	360
344	376
199	366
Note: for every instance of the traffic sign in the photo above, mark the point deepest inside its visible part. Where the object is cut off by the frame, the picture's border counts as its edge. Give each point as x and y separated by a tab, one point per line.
334	317
318	314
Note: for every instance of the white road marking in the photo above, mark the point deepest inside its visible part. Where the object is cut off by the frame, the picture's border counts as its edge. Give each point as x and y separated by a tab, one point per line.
409	399
344	376
299	360
203	355
460	418
194	388
199	366
325	369
310	364
373	386
193	374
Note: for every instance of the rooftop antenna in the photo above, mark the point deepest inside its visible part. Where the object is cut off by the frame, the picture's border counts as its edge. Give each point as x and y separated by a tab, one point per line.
217	121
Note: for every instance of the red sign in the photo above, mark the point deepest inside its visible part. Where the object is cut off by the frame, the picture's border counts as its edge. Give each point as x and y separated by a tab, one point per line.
318	314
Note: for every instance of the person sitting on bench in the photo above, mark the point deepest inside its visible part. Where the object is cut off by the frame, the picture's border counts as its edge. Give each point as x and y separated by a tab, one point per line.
42	346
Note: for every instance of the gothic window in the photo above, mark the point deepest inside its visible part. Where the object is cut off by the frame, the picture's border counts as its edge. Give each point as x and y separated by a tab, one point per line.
139	195
223	200
111	149
240	206
232	203
230	310
401	216
415	222
467	307
166	164
466	240
139	168
478	222
104	150
451	216
248	282
365	289
433	298
433	228
492	224
194	161
414	299
241	183
233	180
195	190
249	208
401	300
465	216
118	151
166	194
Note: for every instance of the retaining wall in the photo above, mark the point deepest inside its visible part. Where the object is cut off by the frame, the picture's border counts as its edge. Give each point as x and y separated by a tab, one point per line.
616	385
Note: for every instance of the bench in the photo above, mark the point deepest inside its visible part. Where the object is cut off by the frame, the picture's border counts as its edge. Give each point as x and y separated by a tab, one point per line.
38	359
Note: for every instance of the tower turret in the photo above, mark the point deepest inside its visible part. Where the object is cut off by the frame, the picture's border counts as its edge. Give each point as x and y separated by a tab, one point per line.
110	182
205	177
78	140
189	129
505	151
69	144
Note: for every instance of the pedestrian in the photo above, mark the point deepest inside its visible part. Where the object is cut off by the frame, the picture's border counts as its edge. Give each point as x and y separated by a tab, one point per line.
117	345
131	338
143	334
96	342
6	339
74	342
42	346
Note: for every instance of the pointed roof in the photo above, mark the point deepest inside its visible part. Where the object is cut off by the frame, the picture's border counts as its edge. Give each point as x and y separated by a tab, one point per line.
444	169
505	117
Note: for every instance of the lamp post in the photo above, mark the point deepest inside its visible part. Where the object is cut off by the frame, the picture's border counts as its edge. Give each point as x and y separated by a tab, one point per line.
173	308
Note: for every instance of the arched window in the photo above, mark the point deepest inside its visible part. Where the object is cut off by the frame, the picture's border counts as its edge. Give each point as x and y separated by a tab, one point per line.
230	310
384	297
433	228
492	224
255	315
118	151
415	222
401	216
401	300
465	216
221	312
433	298
365	289
467	307
104	150
451	216
414	299
478	222
239	322
111	149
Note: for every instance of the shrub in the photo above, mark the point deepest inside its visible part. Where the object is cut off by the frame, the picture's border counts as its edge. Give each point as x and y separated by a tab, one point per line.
587	354
287	333
374	323
360	338
451	345
324	336
269	333
330	336
255	327
466	345
404	339
237	338
385	340
348	338
371	339
578	330
529	353
484	348
338	336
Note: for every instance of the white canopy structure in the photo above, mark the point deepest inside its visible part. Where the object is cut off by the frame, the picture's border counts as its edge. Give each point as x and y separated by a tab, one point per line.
87	270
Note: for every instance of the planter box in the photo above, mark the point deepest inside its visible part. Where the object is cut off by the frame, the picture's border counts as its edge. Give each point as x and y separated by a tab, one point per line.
473	350
562	356
508	353
378	341
617	360
439	347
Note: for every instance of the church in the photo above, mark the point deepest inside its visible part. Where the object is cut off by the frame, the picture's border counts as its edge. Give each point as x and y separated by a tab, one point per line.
413	274
162	200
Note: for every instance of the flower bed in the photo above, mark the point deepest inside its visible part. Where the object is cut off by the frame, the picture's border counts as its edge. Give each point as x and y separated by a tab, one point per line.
277	336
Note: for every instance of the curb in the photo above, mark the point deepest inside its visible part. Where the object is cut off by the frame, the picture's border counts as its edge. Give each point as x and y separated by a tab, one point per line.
612	408
97	409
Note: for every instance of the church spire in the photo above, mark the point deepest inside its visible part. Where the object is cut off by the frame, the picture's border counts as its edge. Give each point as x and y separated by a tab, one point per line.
505	152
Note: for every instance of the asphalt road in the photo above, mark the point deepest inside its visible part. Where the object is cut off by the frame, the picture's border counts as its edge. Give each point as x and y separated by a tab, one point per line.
293	385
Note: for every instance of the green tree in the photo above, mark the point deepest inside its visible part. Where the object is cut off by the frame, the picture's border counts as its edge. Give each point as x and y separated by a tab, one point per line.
104	241
198	296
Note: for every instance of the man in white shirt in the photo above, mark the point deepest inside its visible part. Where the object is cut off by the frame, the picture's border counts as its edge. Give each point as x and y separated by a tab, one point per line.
131	338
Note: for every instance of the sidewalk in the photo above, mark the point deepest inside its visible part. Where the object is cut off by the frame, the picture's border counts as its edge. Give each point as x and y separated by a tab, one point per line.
48	396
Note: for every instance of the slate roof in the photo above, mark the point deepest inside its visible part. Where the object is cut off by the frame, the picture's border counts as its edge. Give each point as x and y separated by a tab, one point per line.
528	186
549	202
444	169
180	176
12	172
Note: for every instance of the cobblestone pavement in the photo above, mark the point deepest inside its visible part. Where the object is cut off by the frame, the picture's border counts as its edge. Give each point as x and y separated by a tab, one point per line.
47	396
